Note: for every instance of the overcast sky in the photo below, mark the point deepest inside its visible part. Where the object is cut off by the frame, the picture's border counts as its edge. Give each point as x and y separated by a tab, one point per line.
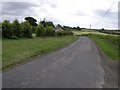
65	12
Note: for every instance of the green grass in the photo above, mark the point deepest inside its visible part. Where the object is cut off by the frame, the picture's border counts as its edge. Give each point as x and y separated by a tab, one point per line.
21	50
0	54
108	44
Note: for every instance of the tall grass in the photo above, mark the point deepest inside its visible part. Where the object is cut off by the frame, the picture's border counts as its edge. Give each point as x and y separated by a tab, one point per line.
109	44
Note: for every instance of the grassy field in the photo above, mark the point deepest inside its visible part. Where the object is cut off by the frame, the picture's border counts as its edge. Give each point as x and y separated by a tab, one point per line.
85	32
109	44
20	51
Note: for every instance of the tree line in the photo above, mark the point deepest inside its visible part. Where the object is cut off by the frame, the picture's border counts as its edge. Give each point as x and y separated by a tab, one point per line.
25	29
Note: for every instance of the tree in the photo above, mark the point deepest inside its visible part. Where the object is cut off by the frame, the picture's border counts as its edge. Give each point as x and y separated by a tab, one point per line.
43	23
103	29
0	25
16	28
40	31
26	29
50	24
31	20
50	31
78	28
7	31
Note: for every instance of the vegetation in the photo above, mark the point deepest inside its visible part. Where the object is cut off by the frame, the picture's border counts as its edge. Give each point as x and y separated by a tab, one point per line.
114	32
40	31
7	31
21	50
63	33
31	20
16	28
109	44
0	25
25	29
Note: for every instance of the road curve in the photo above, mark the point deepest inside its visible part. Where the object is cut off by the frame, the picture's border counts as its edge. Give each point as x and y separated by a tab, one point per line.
76	66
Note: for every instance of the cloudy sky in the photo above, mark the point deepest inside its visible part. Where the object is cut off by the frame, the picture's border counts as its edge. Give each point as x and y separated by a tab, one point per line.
83	13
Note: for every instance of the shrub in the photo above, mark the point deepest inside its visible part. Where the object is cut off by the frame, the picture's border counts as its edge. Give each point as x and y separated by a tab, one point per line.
7	31
16	28
26	29
61	33
40	31
50	31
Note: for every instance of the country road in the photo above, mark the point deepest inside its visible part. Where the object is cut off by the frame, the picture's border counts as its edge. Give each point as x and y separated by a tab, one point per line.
75	66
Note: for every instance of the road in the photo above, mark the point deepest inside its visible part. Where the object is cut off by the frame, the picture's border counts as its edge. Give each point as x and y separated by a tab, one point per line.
75	66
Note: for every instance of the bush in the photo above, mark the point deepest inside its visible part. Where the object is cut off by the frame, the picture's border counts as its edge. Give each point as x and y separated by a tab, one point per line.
26	29
7	31
61	33
40	31
50	31
16	28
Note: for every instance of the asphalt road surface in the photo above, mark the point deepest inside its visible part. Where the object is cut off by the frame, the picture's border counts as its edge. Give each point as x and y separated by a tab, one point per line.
76	66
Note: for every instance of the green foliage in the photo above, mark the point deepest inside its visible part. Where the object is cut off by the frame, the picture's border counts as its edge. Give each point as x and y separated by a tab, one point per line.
50	24
50	31
7	31
43	23
78	28
16	28
31	20
109	44
26	29
63	33
40	31
0	25
103	29
110	32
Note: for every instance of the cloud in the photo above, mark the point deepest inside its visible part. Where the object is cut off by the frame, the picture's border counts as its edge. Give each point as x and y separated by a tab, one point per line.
17	8
105	13
65	12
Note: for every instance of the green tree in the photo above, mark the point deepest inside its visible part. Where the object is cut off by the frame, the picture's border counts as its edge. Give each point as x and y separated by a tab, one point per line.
43	23
31	20
78	28
40	31
26	29
50	31
16	28
50	24
102	29
7	31
0	25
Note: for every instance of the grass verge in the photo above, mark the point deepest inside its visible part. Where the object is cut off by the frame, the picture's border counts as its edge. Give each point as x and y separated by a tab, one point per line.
21	50
109	44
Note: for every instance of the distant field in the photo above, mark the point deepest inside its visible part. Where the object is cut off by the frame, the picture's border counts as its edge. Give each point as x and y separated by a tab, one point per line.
19	51
109	44
89	32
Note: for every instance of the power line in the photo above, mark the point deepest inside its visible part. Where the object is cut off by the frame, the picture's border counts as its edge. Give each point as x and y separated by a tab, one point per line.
106	12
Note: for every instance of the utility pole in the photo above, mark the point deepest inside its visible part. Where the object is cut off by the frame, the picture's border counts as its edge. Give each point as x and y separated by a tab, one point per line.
90	26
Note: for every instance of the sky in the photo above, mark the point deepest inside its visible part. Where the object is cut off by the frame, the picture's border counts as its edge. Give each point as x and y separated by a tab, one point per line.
82	13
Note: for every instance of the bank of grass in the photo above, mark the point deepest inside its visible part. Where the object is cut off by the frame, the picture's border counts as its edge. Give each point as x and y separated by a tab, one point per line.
109	44
21	50
0	54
